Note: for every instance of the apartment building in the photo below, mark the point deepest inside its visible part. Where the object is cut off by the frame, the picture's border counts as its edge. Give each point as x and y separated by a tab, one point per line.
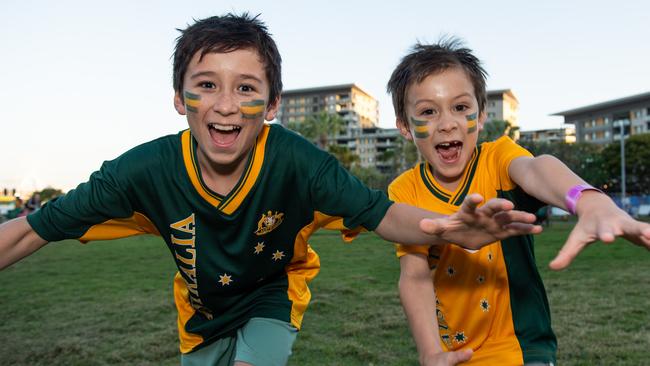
565	134
357	108
502	105
601	123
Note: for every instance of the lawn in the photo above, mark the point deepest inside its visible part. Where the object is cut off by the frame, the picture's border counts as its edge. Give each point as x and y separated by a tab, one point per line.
110	303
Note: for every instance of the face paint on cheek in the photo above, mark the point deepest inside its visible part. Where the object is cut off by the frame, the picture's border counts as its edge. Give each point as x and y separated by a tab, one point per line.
471	122
420	128
192	101
253	109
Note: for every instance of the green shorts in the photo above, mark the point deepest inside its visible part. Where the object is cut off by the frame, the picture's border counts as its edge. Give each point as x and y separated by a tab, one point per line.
260	342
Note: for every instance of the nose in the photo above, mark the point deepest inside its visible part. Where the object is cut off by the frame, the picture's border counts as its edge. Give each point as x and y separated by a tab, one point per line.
225	103
447	123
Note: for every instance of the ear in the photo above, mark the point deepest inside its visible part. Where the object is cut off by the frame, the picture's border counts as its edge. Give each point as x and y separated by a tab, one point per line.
404	129
482	117
179	103
272	109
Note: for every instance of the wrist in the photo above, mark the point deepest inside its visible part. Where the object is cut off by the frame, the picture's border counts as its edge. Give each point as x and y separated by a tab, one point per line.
573	195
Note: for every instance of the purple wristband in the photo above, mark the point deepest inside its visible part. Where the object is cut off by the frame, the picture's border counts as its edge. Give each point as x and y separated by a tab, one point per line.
574	194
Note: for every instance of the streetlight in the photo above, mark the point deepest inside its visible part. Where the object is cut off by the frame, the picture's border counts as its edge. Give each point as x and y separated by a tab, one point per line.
623	203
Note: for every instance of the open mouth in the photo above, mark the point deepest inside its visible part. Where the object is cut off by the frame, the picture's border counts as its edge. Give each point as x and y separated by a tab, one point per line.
223	135
449	151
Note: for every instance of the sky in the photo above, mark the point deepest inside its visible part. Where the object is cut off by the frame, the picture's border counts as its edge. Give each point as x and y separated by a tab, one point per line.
84	81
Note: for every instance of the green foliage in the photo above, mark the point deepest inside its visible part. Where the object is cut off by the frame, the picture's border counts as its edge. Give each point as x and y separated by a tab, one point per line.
110	303
319	128
399	158
584	159
637	165
494	129
49	193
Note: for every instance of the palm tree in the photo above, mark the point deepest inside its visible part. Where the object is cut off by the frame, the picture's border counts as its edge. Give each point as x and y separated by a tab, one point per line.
319	128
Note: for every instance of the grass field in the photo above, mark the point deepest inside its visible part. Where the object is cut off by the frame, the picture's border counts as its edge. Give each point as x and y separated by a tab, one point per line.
110	303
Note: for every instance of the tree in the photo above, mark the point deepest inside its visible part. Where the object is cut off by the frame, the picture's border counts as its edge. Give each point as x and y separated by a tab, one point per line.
48	193
319	128
584	159
402	156
637	165
494	129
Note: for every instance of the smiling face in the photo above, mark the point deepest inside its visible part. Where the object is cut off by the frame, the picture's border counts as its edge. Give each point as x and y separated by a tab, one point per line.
443	121
225	98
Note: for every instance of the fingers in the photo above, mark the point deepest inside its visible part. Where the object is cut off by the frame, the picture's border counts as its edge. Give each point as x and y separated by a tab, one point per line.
471	202
573	246
457	357
506	217
518	228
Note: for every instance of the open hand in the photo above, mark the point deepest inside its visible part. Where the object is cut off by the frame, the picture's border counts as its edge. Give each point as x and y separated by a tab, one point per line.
473	227
600	219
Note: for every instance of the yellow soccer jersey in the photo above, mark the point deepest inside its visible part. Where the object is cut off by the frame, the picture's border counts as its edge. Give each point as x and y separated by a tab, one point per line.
491	300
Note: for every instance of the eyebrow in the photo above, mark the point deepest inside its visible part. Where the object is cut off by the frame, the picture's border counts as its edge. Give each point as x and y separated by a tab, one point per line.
212	74
454	98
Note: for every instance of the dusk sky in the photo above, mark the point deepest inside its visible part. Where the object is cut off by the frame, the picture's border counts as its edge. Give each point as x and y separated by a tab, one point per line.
83	82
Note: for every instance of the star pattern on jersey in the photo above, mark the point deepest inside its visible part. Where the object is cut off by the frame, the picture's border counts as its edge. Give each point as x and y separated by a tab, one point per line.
225	279
259	247
278	255
445	338
459	337
480	279
485	305
451	272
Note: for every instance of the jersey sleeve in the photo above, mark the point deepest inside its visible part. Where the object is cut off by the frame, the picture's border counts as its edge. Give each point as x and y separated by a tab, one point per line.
402	190
336	192
102	198
505	150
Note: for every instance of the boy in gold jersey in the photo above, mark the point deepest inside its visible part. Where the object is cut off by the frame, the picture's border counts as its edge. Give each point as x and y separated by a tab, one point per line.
491	300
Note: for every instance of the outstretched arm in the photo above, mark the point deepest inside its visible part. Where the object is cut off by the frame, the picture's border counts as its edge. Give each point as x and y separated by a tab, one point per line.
17	241
598	216
418	300
471	227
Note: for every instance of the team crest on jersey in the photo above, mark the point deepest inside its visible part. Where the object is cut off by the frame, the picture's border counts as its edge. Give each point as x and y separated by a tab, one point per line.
269	222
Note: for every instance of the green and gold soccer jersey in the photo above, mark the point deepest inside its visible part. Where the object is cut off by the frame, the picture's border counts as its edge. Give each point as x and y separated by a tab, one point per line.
491	300
239	256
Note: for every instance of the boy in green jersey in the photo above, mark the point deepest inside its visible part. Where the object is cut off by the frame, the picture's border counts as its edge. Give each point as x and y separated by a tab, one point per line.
236	200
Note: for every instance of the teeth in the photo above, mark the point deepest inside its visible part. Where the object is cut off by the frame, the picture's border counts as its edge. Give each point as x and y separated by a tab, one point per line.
224	128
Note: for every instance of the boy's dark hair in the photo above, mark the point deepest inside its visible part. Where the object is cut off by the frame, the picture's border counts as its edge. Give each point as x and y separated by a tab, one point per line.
424	60
228	33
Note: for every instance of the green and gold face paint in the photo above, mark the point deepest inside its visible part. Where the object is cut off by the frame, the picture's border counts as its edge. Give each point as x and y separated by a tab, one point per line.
253	109
420	128
192	101
471	122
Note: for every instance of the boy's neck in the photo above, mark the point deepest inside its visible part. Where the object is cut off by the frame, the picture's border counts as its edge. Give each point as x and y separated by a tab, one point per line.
221	179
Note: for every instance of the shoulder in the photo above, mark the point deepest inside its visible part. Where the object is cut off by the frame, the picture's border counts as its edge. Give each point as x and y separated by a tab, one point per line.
405	182
148	156
500	145
287	145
